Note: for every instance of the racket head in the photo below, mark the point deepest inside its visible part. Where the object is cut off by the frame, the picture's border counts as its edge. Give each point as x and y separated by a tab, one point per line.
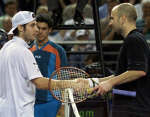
68	73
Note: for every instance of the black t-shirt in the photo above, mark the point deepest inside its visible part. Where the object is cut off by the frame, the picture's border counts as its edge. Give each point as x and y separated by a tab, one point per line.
134	55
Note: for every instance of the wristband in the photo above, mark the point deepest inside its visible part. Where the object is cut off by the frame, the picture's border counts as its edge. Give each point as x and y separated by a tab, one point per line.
95	80
90	83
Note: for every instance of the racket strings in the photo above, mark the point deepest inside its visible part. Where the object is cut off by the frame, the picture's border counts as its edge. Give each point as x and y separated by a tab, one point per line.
79	94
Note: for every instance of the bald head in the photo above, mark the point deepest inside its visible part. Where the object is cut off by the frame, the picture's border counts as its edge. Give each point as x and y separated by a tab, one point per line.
126	9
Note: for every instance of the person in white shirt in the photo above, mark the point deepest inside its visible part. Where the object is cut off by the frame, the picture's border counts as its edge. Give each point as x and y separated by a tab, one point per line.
19	71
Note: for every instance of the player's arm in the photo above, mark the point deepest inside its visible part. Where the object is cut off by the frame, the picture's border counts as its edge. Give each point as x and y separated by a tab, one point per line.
106	78
127	76
95	81
43	83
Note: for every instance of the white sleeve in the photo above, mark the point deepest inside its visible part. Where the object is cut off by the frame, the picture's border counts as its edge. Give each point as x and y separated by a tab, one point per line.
29	65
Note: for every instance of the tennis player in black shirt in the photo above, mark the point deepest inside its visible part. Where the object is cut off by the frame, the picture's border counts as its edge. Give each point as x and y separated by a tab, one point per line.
133	71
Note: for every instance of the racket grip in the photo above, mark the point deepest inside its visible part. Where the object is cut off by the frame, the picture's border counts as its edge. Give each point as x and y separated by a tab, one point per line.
124	92
90	90
75	110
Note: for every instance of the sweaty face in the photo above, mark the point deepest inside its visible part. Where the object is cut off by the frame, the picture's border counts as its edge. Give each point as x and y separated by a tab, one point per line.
31	31
43	31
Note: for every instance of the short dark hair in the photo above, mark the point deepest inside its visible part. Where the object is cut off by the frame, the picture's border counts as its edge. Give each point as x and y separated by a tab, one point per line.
45	18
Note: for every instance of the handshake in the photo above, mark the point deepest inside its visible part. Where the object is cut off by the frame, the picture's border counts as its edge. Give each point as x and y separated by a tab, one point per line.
98	85
85	85
81	88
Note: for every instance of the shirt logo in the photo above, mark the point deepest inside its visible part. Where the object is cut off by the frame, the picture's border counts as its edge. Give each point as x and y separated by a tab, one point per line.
38	57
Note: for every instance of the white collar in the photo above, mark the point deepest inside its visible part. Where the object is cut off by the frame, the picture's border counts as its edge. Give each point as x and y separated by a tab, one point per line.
21	41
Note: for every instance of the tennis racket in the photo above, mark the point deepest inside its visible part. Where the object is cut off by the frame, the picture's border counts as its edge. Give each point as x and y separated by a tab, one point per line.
67	79
69	91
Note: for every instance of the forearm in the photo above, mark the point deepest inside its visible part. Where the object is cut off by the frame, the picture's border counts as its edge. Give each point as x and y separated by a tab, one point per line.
96	81
61	84
127	76
106	78
43	83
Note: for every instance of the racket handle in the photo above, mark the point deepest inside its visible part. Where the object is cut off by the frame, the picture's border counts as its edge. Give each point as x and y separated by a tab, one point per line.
124	92
74	107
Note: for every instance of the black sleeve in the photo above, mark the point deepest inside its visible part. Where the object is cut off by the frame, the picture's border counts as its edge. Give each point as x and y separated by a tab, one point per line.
137	57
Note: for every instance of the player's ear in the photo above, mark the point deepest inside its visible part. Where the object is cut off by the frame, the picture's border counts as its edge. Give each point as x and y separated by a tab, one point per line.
20	28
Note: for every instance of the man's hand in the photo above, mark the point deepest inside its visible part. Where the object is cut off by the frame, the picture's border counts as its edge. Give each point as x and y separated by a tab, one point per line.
104	87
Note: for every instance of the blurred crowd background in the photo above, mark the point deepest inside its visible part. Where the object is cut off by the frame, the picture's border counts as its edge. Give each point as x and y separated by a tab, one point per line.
63	11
